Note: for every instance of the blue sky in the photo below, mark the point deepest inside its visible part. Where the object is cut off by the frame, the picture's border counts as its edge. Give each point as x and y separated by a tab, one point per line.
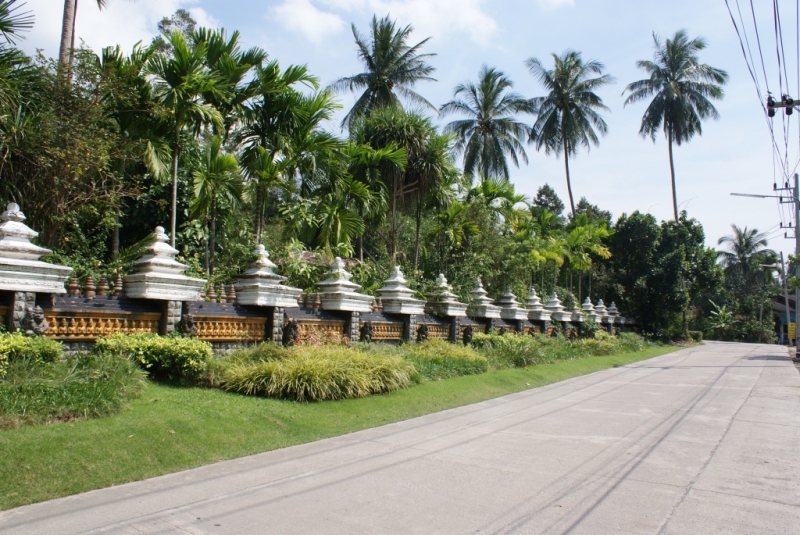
623	174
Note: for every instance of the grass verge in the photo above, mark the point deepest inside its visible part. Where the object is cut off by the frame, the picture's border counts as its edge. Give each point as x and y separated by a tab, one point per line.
172	428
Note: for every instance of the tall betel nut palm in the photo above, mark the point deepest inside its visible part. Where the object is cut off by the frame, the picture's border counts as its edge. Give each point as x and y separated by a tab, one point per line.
180	81
567	117
491	135
682	89
392	69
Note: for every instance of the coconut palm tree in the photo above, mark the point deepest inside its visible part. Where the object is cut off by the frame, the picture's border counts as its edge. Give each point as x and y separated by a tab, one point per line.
568	116
681	89
179	82
216	179
392	69
745	247
491	135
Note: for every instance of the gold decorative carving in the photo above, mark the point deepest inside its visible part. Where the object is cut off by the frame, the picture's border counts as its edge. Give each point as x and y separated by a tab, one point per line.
438	331
323	328
230	329
572	333
88	326
388	331
551	331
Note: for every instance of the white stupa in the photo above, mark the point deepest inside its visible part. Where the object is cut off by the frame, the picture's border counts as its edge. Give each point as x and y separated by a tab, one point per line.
261	286
20	267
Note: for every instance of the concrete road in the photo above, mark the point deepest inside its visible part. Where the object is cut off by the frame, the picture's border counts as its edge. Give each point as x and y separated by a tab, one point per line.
705	440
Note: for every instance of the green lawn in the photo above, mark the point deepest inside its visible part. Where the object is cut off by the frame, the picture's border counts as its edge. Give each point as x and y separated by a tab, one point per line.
169	428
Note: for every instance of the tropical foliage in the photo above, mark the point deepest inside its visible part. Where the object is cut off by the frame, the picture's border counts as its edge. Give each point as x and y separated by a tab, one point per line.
235	149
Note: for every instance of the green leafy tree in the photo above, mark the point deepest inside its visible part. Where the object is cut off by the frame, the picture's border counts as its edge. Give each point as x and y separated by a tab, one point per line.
392	68
216	180
491	135
568	116
681	89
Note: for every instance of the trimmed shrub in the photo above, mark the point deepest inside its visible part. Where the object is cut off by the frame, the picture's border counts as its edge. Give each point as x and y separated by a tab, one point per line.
18	347
87	386
696	336
438	359
311	373
165	358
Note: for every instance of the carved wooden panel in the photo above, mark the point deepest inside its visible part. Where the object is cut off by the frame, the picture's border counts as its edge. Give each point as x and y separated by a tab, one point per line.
438	331
387	331
572	333
230	329
88	326
324	329
552	330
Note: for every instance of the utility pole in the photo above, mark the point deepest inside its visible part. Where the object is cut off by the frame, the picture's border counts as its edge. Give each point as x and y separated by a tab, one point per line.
794	199
785	277
796	195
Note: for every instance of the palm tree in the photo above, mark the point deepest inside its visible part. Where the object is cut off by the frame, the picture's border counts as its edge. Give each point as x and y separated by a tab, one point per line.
13	23
180	81
217	178
68	31
491	134
454	227
681	88
393	127
568	116
231	66
744	247
392	69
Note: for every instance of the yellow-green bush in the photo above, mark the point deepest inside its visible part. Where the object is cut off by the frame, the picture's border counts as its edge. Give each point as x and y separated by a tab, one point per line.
18	347
438	359
319	373
165	358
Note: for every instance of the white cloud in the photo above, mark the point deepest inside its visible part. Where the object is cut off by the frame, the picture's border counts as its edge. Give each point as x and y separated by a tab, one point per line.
304	17
435	18
555	4
203	18
122	23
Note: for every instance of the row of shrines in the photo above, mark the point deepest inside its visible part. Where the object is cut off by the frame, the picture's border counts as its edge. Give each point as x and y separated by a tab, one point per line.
157	298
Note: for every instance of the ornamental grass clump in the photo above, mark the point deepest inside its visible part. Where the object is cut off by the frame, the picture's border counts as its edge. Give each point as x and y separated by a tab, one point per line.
165	358
438	359
310	373
87	386
521	351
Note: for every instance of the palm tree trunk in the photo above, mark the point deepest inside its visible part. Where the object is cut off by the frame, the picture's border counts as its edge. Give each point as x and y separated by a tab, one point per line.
393	237
212	237
259	215
672	173
569	184
175	154
67	31
419	227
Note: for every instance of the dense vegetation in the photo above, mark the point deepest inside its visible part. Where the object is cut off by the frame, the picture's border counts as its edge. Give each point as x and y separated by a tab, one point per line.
231	149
